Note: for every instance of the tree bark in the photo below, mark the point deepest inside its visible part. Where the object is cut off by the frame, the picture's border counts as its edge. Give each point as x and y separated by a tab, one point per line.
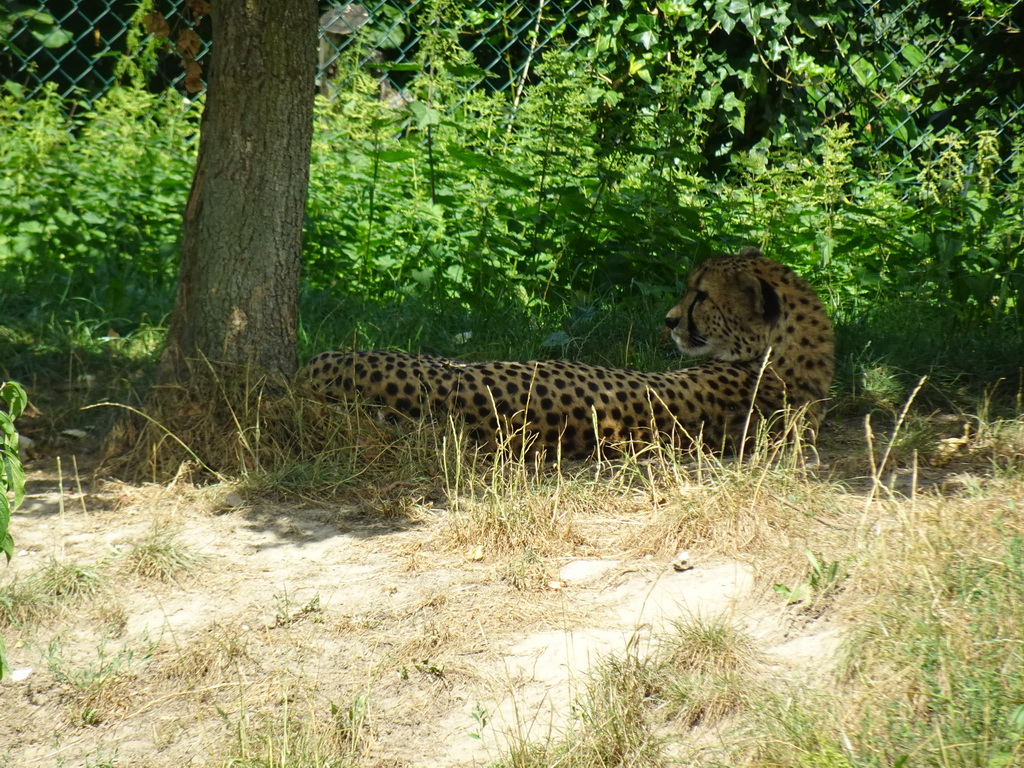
238	284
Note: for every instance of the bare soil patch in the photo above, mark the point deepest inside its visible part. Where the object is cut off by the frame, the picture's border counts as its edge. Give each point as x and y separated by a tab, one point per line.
314	609
417	650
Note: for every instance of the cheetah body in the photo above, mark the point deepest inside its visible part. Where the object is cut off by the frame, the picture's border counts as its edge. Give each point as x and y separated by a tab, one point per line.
766	332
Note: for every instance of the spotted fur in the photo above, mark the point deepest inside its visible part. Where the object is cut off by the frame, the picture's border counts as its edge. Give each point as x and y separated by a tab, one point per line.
769	343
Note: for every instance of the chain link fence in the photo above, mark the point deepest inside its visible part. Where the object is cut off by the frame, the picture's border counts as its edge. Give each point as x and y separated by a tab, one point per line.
82	47
499	40
921	72
912	74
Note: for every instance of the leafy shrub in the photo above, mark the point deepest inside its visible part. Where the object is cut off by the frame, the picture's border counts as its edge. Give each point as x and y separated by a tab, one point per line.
90	205
12	475
569	199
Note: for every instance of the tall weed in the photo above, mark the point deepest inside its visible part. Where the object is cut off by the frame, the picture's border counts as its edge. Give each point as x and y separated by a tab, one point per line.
445	209
90	203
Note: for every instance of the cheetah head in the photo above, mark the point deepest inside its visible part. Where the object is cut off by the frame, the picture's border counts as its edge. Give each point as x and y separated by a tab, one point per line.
729	311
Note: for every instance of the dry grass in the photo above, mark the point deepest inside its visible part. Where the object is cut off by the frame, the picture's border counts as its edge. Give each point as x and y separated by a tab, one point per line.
714	645
277	442
163	555
516	511
735	509
612	724
931	584
790	727
299	671
935	654
710	669
300	734
634	706
23	601
47	590
213	657
102	687
768	510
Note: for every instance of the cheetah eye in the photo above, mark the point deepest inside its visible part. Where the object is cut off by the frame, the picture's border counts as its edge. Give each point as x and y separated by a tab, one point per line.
701	296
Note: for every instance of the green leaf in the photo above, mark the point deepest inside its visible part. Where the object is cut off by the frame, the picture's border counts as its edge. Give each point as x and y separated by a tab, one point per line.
35	14
15	397
478	160
737	109
423	276
674	7
398	66
14	475
4	669
469	158
467	70
800	594
647	39
914	55
54	38
423	114
644	30
17	90
739	7
556	339
723	14
33	226
864	71
395	155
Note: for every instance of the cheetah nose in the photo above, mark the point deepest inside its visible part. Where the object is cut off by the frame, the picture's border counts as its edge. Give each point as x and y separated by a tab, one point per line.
671	322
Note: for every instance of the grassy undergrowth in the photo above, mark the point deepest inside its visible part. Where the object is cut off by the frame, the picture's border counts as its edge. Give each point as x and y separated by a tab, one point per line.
881	356
936	658
931	592
63	584
488	234
927	588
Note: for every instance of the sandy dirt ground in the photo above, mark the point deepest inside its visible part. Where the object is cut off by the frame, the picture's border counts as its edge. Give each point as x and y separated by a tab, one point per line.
296	613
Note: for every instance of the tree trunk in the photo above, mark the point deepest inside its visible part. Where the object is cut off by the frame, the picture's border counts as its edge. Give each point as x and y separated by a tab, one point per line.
238	283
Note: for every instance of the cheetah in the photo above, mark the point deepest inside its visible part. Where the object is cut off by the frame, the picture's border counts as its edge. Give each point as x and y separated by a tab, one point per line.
766	335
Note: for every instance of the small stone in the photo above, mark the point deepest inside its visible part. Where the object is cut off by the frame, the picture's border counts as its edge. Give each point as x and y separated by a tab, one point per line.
681	562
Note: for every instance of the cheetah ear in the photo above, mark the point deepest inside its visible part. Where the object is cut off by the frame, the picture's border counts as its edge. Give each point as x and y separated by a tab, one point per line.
764	301
771	304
